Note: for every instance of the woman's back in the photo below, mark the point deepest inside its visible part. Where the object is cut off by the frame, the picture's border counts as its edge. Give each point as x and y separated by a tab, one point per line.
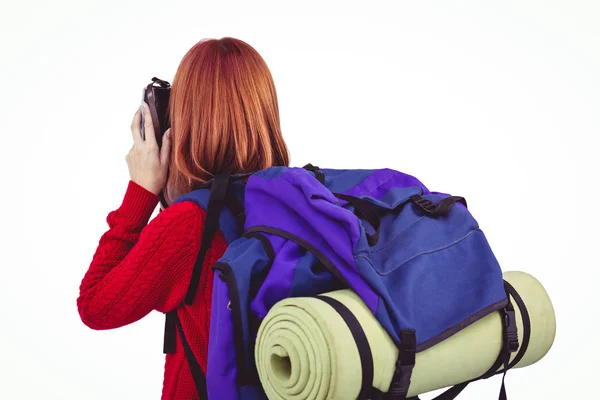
224	118
136	271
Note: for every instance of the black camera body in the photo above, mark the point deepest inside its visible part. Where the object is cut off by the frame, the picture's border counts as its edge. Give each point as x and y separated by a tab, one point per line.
157	95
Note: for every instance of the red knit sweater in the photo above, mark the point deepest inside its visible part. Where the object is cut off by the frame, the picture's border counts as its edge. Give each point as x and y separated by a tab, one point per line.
140	267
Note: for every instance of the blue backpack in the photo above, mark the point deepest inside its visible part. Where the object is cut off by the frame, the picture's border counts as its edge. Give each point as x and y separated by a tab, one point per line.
417	259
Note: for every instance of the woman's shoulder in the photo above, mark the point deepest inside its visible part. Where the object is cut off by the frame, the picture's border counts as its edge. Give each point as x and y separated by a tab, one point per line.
180	222
183	220
181	211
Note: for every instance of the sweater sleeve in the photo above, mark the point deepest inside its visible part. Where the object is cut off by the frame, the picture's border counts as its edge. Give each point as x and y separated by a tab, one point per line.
138	266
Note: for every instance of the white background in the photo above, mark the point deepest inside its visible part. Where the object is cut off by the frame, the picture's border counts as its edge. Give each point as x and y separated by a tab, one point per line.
495	101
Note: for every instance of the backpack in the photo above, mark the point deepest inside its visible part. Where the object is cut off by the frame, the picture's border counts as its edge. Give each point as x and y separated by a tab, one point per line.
416	258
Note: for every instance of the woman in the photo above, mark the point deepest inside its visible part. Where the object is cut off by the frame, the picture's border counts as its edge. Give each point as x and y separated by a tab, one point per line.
224	118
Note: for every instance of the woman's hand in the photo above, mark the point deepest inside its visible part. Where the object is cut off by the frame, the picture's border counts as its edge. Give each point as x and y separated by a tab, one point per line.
147	163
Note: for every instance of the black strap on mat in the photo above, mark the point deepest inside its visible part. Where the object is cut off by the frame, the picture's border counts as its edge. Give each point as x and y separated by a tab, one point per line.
362	344
404	366
510	344
526	323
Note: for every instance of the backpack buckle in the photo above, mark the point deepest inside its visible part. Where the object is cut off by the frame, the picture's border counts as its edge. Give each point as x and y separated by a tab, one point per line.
400	382
426	205
510	325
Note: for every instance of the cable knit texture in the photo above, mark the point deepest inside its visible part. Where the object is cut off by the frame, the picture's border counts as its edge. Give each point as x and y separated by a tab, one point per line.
139	267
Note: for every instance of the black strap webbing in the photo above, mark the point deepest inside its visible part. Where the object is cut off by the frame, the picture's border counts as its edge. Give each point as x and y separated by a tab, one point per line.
526	323
365	210
195	369
362	344
319	175
362	208
170	339
216	202
237	209
511	342
404	366
441	209
510	345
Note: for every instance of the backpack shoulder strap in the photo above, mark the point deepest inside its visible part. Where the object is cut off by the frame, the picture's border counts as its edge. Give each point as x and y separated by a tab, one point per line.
216	203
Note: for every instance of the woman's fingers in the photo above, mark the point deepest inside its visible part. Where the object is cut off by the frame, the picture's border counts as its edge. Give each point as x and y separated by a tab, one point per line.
144	161
149	127
165	149
136	131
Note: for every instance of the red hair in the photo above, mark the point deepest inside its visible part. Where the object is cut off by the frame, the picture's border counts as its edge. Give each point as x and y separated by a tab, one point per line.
224	115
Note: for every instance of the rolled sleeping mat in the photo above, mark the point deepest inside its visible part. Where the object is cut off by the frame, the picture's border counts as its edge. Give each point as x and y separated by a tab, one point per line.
305	350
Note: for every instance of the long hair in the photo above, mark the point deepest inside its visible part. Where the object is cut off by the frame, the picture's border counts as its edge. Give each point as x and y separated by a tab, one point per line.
224	115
